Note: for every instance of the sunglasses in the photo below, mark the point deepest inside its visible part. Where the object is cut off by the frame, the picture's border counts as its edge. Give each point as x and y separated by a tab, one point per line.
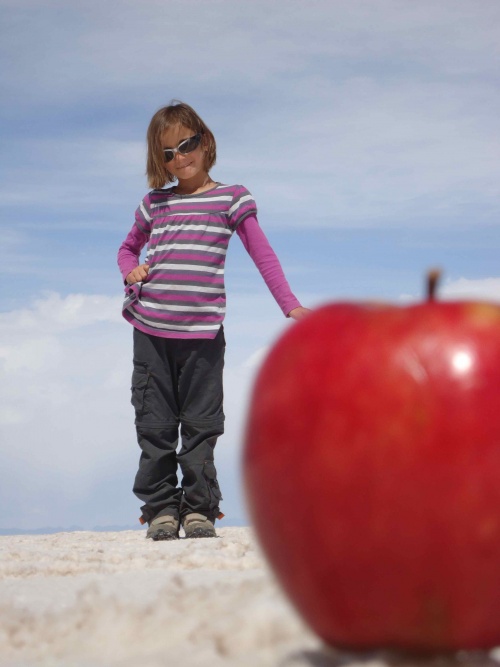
185	147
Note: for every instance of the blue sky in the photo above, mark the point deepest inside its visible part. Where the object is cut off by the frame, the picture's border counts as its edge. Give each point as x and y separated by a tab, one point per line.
367	131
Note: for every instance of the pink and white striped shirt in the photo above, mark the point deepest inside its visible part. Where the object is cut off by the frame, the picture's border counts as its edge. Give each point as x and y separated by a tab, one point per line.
188	236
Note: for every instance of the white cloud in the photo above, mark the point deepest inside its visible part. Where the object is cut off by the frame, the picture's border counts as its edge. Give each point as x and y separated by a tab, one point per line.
406	152
256	359
66	370
55	314
72	173
487	289
351	114
145	42
474	289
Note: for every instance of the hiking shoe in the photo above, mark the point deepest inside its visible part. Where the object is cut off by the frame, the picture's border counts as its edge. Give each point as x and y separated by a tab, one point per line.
164	527
197	525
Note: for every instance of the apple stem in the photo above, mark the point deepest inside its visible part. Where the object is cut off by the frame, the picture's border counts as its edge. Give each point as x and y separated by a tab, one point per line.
433	277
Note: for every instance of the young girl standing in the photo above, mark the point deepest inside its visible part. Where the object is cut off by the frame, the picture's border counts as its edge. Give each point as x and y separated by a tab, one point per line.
176	304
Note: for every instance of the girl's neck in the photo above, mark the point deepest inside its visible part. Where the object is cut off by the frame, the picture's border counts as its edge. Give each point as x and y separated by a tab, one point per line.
192	186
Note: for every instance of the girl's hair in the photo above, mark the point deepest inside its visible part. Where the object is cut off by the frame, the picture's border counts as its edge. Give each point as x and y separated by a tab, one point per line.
177	113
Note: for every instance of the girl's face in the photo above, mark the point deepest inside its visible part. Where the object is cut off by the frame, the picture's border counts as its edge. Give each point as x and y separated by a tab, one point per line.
188	166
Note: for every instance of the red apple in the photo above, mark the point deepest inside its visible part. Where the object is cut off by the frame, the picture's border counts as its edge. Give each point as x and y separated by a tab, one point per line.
372	472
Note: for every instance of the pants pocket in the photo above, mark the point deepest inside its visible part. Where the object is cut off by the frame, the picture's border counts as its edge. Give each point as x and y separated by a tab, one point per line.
140	381
210	474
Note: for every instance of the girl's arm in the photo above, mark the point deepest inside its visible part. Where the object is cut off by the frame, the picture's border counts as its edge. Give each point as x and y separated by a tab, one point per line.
129	253
265	259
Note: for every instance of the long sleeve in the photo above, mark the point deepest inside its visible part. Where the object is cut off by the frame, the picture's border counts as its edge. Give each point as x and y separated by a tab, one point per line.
130	250
265	259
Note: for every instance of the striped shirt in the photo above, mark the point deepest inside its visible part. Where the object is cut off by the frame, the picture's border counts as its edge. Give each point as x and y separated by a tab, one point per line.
187	238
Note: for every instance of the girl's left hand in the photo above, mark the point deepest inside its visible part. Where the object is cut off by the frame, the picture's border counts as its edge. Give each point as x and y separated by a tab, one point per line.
299	313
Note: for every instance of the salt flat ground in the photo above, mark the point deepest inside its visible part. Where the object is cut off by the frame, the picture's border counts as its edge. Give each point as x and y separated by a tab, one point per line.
93	599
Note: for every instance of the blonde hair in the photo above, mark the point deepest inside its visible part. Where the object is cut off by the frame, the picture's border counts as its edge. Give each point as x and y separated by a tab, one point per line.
177	113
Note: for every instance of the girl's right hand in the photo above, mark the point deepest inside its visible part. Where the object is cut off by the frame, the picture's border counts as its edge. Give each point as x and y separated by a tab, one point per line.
138	274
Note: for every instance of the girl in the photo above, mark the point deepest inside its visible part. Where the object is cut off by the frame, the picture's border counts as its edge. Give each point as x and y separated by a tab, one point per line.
176	303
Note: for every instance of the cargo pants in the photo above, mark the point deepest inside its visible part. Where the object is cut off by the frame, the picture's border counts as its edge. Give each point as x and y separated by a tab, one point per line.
177	390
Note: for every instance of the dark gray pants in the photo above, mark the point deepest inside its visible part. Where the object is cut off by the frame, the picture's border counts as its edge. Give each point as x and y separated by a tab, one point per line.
177	384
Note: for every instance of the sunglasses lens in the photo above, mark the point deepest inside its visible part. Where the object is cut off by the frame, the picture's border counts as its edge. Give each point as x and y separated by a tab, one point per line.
190	144
183	148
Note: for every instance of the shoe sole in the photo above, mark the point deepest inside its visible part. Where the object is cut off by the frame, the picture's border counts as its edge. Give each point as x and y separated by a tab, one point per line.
162	535
201	532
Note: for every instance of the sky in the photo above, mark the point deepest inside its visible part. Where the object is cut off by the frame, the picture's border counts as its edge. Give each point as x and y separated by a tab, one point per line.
367	131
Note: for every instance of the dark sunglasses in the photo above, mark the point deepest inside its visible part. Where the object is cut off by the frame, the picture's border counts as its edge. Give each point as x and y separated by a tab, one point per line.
185	147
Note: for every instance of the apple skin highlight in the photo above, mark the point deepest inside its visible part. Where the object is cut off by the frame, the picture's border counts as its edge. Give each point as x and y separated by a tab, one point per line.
372	473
